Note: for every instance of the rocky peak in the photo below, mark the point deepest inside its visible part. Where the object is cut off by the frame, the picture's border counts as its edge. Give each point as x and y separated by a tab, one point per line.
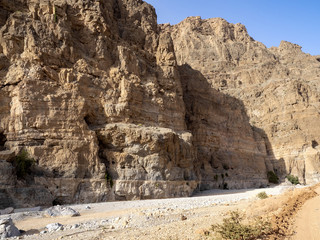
289	47
217	27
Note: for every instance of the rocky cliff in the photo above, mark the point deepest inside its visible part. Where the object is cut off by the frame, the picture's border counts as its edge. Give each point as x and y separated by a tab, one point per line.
112	106
279	88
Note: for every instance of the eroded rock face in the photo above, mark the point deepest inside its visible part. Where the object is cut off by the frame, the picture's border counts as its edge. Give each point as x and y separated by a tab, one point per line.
69	69
277	86
231	152
148	162
112	106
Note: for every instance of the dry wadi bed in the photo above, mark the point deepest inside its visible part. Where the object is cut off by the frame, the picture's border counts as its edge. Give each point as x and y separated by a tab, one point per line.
182	218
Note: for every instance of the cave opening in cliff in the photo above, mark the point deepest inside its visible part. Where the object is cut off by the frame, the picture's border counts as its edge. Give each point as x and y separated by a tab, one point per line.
314	144
57	201
3	140
88	119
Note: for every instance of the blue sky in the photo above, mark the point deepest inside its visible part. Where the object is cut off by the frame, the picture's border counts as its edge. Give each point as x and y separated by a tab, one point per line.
267	21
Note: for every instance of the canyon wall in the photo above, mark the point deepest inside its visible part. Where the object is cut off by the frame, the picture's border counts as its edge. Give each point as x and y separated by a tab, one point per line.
112	106
279	87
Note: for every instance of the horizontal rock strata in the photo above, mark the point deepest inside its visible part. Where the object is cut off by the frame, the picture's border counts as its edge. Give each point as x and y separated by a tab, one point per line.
109	105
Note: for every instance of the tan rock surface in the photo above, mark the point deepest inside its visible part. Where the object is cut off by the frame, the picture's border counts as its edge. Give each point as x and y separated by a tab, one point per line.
69	71
277	86
111	105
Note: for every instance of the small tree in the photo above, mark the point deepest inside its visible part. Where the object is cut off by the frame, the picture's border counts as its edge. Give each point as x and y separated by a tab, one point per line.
272	177
109	179
293	179
23	163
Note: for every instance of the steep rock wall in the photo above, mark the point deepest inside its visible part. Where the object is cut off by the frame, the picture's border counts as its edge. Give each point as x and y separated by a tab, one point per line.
72	68
112	106
231	153
278	87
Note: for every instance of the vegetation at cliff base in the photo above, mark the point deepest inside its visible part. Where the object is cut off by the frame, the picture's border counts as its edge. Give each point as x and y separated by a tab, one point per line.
109	179
293	179
23	164
272	177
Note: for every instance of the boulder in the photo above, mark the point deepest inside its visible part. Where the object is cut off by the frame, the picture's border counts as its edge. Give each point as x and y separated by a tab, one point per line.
8	229
7	211
52	227
58	210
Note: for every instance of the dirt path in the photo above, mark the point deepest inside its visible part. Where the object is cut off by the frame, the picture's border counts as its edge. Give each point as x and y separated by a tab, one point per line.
307	223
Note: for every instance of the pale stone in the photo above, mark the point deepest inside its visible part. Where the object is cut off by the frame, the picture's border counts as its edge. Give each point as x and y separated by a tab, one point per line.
57	211
8	229
52	227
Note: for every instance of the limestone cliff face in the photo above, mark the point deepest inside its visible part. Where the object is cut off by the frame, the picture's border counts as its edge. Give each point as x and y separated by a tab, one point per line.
231	153
112	106
70	72
279	87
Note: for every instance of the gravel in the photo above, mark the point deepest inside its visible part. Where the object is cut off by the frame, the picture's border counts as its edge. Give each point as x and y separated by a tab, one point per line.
142	213
202	199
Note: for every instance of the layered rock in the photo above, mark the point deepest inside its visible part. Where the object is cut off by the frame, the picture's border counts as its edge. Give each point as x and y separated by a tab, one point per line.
148	162
231	153
278	87
70	70
112	106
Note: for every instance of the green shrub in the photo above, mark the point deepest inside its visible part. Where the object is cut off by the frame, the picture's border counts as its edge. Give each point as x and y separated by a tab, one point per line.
225	166
109	179
55	17
23	164
233	228
225	186
262	195
216	177
293	179
272	177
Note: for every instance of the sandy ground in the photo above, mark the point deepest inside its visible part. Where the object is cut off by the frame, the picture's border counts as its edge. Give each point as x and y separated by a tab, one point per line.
180	218
307	221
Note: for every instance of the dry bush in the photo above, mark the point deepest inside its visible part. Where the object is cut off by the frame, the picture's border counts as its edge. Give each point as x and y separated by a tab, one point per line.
262	195
234	228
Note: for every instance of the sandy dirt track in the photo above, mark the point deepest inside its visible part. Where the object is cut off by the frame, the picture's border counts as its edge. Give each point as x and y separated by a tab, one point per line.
307	221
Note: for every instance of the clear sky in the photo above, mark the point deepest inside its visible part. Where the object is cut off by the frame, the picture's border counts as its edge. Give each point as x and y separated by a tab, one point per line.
267	21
